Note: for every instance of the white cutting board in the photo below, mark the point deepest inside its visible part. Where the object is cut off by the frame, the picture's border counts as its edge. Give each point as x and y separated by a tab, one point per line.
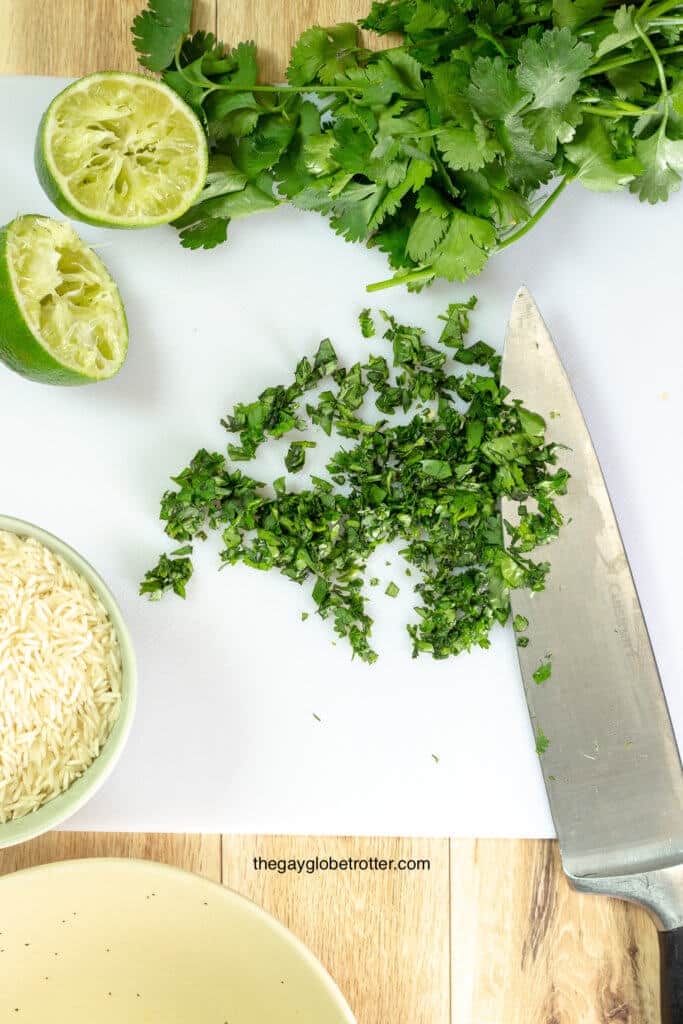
225	737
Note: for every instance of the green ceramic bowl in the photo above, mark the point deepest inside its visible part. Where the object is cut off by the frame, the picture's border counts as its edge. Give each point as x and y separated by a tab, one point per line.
55	811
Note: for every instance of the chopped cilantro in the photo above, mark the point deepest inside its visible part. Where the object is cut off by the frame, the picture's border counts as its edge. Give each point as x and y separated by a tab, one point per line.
543	672
296	455
542	742
520	623
367	324
432	482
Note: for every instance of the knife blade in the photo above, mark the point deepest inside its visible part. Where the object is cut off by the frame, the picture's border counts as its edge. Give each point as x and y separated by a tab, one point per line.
612	768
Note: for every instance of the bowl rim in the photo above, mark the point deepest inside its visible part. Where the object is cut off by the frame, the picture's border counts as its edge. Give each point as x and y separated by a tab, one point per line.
227	893
61	807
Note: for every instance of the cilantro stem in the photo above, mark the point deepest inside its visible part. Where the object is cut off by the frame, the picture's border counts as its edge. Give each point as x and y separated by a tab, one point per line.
295	89
623	106
533	19
231	87
540	212
421	274
656	58
620	62
628	108
613	112
662	8
445	176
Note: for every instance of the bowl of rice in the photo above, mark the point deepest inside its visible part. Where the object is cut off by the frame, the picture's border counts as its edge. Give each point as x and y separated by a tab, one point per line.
68	681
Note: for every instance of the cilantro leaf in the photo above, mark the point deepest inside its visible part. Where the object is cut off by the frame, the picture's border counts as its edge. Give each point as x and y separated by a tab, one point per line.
388	17
632	81
597	166
551	126
222	178
429	226
437	468
203	232
467	149
527	167
367	324
322	53
551	67
169	574
542	742
465	247
677	95
205	224
543	672
158	30
495	91
354	209
296	455
573	14
625	31
662	159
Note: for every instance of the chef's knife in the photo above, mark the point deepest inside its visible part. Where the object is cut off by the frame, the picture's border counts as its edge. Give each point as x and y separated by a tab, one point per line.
612	768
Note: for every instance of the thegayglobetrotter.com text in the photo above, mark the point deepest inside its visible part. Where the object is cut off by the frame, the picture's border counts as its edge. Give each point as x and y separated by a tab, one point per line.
314	865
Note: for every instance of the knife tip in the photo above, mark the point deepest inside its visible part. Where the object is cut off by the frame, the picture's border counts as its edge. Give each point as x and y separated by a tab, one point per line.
523	295
524	306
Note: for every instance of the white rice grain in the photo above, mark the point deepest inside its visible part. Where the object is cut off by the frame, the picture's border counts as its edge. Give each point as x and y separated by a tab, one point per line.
60	675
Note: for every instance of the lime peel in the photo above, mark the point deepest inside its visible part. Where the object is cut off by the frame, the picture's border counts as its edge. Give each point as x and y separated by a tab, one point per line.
62	320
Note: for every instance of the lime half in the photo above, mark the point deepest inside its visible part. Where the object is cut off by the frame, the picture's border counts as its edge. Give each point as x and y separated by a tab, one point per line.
122	151
61	316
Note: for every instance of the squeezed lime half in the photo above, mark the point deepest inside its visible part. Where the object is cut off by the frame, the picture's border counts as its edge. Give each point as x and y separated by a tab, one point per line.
121	150
62	320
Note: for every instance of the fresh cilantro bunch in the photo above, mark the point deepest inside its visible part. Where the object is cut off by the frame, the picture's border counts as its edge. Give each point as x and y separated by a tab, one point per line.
432	478
444	149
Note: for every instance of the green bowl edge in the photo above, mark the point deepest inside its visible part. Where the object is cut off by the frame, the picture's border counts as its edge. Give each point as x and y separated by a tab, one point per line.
57	810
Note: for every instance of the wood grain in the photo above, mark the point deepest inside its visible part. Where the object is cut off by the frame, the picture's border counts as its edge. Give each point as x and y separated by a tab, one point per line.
201	854
74	37
383	935
523	947
528	950
275	26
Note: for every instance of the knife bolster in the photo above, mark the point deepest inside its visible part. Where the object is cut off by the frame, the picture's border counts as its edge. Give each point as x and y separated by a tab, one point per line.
660	891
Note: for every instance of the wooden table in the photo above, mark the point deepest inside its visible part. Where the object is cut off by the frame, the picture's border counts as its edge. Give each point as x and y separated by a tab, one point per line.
491	933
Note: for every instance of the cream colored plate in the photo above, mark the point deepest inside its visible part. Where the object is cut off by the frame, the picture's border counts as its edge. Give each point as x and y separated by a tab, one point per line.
133	942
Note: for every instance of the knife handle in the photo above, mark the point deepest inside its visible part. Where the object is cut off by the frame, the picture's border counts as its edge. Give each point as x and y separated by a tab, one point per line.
671	974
